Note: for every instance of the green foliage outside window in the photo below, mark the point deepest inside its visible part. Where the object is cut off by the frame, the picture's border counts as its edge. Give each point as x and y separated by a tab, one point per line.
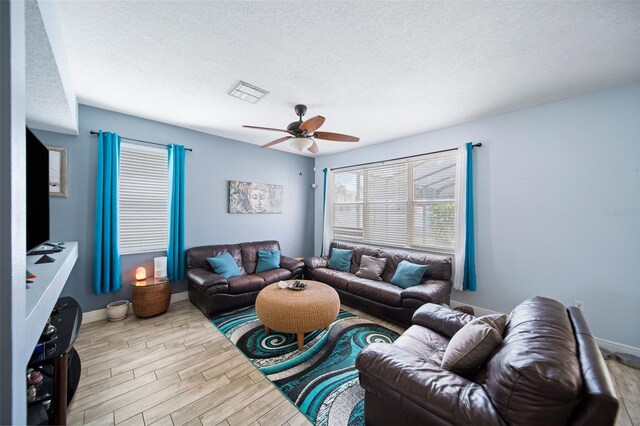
442	214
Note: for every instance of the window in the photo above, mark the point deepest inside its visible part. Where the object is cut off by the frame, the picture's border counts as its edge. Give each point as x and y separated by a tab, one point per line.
142	199
408	203
347	201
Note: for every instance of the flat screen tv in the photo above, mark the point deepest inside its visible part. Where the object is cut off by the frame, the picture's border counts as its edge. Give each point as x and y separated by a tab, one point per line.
37	192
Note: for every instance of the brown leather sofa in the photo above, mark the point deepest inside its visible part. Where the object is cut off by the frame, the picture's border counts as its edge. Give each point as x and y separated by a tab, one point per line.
548	371
214	293
381	298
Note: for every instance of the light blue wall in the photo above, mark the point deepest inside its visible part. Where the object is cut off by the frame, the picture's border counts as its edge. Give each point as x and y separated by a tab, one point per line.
15	334
213	162
557	204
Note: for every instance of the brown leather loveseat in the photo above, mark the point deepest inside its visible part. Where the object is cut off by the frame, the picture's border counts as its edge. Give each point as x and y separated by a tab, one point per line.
214	293
381	298
547	371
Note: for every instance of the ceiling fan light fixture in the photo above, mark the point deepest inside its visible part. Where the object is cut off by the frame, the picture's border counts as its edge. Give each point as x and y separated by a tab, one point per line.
301	144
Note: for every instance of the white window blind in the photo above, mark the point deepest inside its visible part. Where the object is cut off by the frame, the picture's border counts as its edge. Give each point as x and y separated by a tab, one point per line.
407	203
348	201
386	205
142	199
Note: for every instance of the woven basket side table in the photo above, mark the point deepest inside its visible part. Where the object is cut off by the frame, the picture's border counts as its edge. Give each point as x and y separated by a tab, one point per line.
150	297
297	312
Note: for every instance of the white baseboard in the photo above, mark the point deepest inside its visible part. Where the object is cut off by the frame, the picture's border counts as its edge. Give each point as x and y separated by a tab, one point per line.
603	343
478	311
101	314
179	297
618	347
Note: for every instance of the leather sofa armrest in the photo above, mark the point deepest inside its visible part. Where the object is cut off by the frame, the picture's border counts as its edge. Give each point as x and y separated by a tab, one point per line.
440	392
204	278
431	291
316	262
441	319
290	263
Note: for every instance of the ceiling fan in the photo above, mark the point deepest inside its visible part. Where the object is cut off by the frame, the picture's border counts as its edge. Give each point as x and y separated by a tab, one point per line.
301	133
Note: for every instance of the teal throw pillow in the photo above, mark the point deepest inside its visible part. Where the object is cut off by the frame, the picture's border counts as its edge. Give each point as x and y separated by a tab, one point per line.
408	274
340	260
268	260
224	265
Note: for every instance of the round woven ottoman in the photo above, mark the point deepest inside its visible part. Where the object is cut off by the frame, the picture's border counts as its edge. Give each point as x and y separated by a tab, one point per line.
297	312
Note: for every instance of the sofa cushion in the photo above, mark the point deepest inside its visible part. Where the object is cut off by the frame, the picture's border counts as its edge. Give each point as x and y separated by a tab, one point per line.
394	258
245	284
470	347
439	267
224	265
378	291
340	260
424	343
497	321
359	250
371	267
197	256
250	253
274	275
268	260
336	279
535	376
441	319
408	274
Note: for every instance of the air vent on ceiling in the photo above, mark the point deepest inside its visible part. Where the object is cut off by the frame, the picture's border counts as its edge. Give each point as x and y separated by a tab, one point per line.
248	92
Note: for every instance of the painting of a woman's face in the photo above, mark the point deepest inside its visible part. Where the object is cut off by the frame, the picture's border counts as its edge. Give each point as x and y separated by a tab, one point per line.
251	197
258	199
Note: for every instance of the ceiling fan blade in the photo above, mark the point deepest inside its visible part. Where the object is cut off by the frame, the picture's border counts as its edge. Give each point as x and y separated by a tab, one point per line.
313	148
266	128
337	137
277	141
312	124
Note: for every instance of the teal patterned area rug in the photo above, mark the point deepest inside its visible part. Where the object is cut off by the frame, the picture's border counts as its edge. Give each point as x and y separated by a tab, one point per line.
321	379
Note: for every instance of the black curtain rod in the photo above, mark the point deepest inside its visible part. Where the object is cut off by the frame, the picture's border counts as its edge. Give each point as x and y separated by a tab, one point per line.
93	132
475	145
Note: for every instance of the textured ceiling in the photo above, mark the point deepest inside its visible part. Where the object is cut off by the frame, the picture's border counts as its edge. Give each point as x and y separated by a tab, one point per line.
50	103
378	70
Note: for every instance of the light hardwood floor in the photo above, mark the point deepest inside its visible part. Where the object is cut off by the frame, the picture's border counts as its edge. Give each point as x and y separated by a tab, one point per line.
177	369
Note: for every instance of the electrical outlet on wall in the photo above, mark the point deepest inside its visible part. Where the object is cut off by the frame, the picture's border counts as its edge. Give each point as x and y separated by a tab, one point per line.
579	304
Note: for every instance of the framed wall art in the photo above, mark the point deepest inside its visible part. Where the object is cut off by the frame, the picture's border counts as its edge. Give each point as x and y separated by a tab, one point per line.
254	198
57	171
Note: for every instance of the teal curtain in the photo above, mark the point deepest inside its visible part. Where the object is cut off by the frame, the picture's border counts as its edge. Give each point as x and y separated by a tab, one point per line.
469	280
175	250
106	258
324	207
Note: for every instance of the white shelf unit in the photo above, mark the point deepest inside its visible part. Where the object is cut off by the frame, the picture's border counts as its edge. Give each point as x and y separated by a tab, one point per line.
43	293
